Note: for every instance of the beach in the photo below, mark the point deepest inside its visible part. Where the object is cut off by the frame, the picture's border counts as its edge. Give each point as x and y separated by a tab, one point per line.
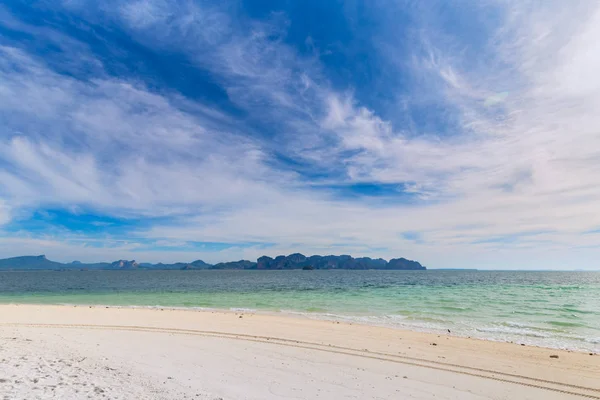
73	352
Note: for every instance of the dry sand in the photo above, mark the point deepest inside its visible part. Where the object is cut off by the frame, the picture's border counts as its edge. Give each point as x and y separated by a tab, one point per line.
66	352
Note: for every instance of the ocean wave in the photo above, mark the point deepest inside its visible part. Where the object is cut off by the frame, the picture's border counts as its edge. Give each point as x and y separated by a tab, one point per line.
513	324
514	331
454	308
385	320
566	324
527	326
579	338
578	311
428	319
315	310
310	314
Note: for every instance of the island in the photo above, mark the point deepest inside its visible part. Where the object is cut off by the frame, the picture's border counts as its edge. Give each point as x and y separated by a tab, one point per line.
290	262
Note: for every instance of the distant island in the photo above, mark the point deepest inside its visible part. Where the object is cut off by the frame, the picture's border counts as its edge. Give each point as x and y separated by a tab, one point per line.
293	261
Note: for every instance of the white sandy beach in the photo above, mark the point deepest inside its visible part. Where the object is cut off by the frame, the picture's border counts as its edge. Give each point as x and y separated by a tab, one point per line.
66	352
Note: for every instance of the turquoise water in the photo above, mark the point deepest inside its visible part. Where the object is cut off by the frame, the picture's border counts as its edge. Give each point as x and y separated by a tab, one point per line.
551	309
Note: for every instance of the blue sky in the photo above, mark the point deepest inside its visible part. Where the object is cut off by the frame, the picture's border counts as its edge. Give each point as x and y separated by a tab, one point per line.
457	133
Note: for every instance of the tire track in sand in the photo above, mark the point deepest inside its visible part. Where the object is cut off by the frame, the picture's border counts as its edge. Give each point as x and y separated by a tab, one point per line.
575	390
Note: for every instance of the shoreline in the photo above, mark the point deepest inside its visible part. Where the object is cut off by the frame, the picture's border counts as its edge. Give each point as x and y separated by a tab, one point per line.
169	354
311	316
483	364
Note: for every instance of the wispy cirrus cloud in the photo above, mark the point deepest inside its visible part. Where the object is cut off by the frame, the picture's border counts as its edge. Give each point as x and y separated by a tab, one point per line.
213	125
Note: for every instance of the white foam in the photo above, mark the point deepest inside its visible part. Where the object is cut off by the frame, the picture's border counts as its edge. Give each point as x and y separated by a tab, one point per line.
514	331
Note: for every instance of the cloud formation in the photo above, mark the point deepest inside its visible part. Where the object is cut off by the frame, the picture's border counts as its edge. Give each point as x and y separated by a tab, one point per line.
180	125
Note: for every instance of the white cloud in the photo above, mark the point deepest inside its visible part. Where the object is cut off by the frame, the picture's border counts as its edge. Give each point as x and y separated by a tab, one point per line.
534	157
4	213
131	149
524	163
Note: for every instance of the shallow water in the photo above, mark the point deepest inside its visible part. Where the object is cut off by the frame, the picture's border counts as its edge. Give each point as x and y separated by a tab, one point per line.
551	309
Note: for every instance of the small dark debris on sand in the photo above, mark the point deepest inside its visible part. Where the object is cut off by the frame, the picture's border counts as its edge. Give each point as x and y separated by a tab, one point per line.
553	356
434	344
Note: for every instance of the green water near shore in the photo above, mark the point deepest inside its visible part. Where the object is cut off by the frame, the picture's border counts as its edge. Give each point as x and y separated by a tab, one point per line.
551	309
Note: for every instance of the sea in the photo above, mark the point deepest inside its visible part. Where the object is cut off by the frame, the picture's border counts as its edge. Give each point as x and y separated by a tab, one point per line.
548	309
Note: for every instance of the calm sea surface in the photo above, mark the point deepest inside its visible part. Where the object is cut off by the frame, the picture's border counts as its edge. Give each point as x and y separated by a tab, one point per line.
551	309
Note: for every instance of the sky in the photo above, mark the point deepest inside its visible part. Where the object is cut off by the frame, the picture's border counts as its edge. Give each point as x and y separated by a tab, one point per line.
462	134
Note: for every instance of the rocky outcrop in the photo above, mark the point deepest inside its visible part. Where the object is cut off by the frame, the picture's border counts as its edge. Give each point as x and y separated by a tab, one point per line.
299	261
28	262
404	264
124	264
265	262
242	264
198	264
